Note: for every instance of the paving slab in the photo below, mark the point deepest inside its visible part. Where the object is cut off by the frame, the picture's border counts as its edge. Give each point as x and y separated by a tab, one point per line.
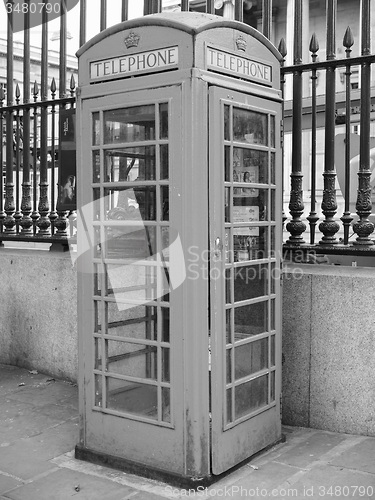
64	484
359	457
43	394
8	483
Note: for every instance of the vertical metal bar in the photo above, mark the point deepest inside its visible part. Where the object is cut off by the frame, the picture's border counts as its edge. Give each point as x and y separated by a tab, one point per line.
2	213
82	22
53	214
184	5
17	143
210	6
103	14
347	218
363	227
296	226
35	213
9	207
147	7
26	221
238	10
329	226
124	10
283	52
266	18
313	217
43	205
63	56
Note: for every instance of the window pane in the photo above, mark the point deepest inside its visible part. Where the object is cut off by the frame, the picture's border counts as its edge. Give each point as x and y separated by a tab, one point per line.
250	127
163	116
131	397
136	203
251	396
251	358
250	166
250	205
130	164
250	320
164	161
95	166
95	129
139	322
250	243
131	282
250	282
129	124
133	360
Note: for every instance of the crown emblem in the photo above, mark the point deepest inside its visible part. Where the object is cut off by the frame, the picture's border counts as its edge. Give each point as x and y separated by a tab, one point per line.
132	40
241	43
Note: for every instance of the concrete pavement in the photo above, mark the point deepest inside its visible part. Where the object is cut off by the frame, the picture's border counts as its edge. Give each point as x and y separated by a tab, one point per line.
39	429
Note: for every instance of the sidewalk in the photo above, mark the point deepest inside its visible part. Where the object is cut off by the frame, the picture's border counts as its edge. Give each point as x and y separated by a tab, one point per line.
39	429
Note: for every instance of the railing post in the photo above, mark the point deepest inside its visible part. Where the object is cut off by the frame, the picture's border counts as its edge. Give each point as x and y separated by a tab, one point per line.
266	18
313	217
2	213
296	226
346	218
283	51
363	227
329	226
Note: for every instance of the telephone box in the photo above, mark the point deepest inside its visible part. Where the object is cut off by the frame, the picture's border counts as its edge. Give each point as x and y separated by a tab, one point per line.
179	237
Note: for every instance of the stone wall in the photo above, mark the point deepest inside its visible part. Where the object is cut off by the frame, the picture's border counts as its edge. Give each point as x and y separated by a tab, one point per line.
328	334
329	348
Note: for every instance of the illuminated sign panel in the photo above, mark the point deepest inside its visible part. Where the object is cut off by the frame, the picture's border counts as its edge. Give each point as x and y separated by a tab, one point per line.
143	62
239	66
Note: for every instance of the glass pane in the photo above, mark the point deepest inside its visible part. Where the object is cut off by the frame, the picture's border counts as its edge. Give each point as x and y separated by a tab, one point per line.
131	282
97	247
163	117
229	366
129	124
250	243
250	282
98	274
273	205
273	168
227	247
250	320
273	350
165	324
97	316
250	206
96	166
228	327
227	123
227	195
95	129
164	200
250	127
136	203
250	358
98	391
139	322
131	397
164	161
96	203
165	364
249	166
272	117
229	406
273	314
166	404
130	164
227	164
251	396
273	386
123	242
228	286
273	277
132	360
98	357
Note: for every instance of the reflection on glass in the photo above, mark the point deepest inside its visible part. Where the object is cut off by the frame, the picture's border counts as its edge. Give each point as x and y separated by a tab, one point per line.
98	391
251	396
228	326
163	120
250	127
273	386
131	282
164	162
272	117
165	364
136	203
131	321
229	406
250	320
98	274
130	397
250	206
95	129
272	314
250	358
273	355
273	205
130	164
164	200
129	124
228	286
130	242
132	360
98	354
273	168
165	324
227	165
250	166
250	282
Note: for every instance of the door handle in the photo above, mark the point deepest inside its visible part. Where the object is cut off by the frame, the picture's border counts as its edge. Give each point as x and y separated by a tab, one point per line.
218	247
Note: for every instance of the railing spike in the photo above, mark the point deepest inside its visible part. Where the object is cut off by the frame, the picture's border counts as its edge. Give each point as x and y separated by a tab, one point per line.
72	83
314	44
282	48
53	87
18	92
35	90
2	95
348	40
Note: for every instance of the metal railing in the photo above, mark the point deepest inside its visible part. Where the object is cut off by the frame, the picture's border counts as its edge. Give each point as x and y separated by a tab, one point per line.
30	131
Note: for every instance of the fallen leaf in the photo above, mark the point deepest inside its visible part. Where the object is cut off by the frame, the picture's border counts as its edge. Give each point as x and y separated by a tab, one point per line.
33	372
21	383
